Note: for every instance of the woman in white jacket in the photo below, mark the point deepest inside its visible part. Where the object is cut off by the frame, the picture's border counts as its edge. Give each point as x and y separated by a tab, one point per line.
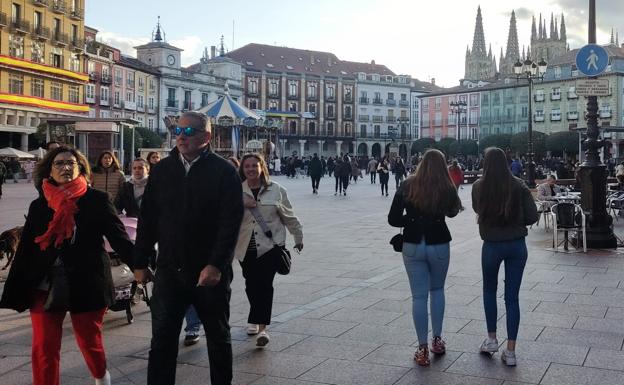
253	246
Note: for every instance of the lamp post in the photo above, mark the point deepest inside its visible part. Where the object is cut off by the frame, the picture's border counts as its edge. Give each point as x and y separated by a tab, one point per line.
458	107
530	71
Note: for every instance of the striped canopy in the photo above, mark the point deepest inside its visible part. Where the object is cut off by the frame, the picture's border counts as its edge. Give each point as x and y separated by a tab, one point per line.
226	107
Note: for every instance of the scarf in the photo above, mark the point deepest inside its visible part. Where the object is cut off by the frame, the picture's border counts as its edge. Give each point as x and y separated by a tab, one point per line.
62	199
139	188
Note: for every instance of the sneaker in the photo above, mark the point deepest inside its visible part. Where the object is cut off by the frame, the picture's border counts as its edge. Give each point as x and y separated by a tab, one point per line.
438	346
386	194
106	380
252	329
509	357
262	339
191	339
422	356
489	346
336	193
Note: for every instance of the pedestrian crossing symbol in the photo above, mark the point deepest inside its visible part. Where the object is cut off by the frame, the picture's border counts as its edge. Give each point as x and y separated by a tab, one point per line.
592	60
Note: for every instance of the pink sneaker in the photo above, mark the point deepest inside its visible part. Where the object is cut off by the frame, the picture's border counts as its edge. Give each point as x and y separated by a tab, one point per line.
438	346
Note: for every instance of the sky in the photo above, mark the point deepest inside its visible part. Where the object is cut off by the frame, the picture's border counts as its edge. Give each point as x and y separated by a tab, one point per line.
424	39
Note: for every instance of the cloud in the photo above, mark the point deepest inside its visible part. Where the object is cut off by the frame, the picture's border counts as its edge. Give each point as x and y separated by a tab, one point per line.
524	14
192	46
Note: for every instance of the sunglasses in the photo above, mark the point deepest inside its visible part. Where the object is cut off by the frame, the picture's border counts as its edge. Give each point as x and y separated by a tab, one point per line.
187	131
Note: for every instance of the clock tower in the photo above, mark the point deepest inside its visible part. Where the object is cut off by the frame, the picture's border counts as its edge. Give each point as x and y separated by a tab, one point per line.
158	53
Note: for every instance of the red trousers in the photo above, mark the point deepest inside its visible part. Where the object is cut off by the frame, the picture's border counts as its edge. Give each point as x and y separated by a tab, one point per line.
47	330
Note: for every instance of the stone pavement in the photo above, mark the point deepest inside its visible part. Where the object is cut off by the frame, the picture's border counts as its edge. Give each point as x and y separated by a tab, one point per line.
343	316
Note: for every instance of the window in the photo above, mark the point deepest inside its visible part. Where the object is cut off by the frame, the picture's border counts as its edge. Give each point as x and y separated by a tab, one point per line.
104	94
330	91
348	94
312	108
312	90
74	94
188	100
390	95
16	84
253	104
347	129
38	54
292	125
204	100
253	86
90	92
16	46
377	97
525	111
74	34
312	128
116	98
105	71
74	63
139	101
130	79
56	27
56	58
56	91
36	87
292	89
150	102
129	96
118	77
425	104
347	112
363	130
474	99
273	88
37	21
16	12
437	103
330	110
150	123
152	85
272	105
330	129
141	83
404	97
171	95
292	106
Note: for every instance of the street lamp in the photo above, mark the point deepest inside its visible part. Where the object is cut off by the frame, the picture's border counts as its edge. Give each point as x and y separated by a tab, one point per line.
530	71
458	107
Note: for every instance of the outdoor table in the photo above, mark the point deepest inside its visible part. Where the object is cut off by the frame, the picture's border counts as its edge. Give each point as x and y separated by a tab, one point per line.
572	197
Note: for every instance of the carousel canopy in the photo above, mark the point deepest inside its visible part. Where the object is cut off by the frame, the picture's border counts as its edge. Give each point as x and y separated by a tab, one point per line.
10	152
226	108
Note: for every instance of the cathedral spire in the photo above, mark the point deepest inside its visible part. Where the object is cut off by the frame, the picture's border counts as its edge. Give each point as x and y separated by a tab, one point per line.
490	51
533	30
552	26
562	35
617	38
540	27
612	42
157	35
222	48
528	53
523	57
556	30
513	48
478	41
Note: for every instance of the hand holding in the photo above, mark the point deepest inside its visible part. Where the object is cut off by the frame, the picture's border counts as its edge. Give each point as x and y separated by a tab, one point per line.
209	276
298	247
142	275
249	202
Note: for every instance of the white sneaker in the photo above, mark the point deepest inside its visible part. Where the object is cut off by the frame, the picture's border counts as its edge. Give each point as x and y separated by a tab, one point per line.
262	339
252	329
106	380
489	345
508	357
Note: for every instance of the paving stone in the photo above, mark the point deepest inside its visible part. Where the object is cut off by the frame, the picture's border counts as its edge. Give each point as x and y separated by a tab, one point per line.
463	342
565	289
474	364
372	317
597	311
525	332
399	355
275	364
314	327
268	380
332	348
576	375
10	363
342	372
615	313
582	338
597	300
605	359
600	324
550	352
449	325
424	376
387	334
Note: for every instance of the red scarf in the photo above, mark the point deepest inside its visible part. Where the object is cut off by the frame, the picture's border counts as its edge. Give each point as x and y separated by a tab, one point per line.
62	199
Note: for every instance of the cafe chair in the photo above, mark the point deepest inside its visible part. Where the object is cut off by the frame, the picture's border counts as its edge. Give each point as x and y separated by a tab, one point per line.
615	204
543	210
568	217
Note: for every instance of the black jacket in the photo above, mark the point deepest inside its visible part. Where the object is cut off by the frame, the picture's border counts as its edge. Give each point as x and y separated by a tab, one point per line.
418	224
86	262
194	218
315	168
125	201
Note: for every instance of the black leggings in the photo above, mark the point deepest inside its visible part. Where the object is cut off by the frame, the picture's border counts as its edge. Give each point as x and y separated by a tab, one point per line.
373	175
259	274
315	182
383	179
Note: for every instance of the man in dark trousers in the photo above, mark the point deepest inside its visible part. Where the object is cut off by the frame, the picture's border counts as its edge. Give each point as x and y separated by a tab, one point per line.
192	207
315	169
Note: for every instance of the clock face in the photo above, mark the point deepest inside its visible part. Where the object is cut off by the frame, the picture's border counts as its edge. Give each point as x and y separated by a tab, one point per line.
170	60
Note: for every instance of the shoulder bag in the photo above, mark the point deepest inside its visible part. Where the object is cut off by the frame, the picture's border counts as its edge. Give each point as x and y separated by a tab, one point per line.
280	255
397	242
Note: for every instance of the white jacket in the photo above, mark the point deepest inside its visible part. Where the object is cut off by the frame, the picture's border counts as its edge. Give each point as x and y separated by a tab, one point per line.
278	214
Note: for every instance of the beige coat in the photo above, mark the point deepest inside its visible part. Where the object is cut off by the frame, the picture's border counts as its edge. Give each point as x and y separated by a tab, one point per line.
108	181
278	214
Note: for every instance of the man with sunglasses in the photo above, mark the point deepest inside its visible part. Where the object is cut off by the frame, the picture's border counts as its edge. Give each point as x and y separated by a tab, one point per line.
192	207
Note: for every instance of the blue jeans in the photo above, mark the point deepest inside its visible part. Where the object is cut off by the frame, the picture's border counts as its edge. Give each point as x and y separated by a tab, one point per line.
514	254
193	323
426	267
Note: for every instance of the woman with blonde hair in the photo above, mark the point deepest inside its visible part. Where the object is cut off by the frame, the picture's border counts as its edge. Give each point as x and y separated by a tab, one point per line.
265	201
420	205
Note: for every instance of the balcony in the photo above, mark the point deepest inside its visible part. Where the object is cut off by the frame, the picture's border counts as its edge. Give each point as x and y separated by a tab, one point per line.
554	96
128	105
390	102
377	101
41	3
293	97
252	92
538	97
555	117
41	33
172	104
77	14
58	6
90	99
104	102
312	97
20	25
377	119
151	110
572	95
273	95
60	39
106	79
605	113
364	118
93	76
188	106
330	98
538	118
573	115
347	99
330	116
390	119
78	44
403	119
364	100
140	107
347	117
404	103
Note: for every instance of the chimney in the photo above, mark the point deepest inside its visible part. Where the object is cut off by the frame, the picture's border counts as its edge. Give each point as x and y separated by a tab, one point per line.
311	58
213	51
433	81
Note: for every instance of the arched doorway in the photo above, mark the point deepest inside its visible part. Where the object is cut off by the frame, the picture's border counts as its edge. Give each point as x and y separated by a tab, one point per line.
362	149
403	151
376	150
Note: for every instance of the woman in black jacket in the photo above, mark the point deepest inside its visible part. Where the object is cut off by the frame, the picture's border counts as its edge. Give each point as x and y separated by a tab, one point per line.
419	206
129	198
64	230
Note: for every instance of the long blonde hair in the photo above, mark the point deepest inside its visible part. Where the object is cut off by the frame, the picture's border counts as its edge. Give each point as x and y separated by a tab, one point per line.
430	188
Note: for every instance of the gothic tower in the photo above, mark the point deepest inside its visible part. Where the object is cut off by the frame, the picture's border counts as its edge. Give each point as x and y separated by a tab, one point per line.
545	45
478	65
506	63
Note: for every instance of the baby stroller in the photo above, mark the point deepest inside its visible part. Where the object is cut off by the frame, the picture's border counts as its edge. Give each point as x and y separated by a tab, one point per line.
126	288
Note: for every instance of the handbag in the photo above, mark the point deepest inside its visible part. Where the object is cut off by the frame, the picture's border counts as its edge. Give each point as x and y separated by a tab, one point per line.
280	255
397	242
58	295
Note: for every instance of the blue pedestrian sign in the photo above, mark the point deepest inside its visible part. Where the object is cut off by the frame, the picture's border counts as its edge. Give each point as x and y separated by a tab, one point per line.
592	60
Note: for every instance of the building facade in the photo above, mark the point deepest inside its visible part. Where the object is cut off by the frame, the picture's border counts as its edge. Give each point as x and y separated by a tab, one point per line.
99	64
41	73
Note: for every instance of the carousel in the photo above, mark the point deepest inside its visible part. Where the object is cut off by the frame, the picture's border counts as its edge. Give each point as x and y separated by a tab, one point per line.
238	130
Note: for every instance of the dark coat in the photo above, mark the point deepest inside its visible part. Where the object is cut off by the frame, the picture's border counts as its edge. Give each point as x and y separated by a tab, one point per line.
418	224
86	262
315	168
125	201
195	218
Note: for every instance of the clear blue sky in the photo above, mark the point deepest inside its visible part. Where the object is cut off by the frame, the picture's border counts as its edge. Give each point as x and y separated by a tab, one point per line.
422	39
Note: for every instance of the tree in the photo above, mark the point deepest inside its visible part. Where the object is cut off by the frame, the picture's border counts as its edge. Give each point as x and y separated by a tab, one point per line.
150	138
445	144
519	143
464	147
421	145
500	140
560	142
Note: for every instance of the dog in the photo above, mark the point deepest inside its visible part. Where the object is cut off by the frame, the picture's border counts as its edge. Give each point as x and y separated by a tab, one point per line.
9	240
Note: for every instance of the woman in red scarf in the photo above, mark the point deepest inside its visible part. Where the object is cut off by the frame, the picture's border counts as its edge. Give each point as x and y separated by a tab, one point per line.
65	227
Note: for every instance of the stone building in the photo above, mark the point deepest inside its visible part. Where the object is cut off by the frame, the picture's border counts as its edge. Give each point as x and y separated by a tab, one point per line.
480	63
